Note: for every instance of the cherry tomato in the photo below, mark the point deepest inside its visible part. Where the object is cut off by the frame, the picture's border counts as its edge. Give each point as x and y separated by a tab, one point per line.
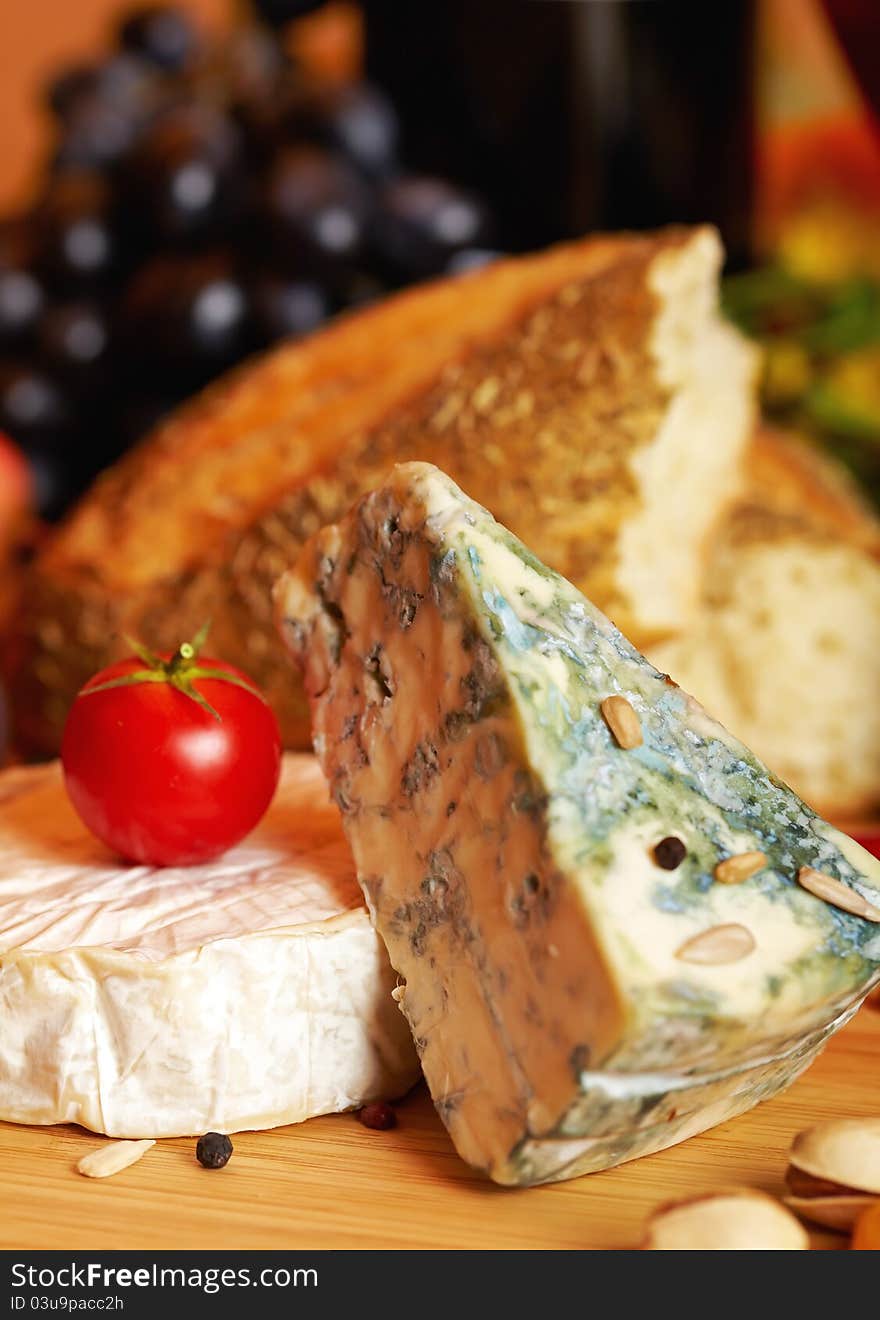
170	760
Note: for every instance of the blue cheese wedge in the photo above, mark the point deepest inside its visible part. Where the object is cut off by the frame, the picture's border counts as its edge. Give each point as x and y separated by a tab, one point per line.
244	993
507	765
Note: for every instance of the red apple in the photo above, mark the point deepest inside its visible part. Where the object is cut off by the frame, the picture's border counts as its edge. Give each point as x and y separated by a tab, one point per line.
16	491
16	494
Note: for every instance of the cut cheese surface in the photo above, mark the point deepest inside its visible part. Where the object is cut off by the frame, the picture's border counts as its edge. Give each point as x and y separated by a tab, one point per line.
245	993
573	1002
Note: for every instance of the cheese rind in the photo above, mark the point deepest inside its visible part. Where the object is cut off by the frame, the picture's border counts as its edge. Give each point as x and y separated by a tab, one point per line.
504	840
139	1003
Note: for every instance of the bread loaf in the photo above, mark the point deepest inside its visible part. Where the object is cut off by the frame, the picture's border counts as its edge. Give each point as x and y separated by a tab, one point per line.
785	649
590	396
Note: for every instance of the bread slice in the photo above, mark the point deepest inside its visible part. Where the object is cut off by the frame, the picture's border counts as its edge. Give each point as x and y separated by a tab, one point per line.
591	396
785	650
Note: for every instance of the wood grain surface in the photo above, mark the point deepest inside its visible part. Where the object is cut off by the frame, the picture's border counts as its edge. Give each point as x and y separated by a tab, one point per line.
333	1183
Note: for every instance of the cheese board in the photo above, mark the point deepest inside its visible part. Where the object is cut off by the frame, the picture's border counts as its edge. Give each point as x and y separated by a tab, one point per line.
608	925
331	1183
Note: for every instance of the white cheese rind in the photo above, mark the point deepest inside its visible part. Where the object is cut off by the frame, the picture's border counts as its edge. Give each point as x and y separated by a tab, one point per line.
504	840
288	1016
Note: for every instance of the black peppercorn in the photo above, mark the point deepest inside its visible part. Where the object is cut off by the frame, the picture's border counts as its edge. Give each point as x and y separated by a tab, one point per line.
669	853
378	1115
213	1150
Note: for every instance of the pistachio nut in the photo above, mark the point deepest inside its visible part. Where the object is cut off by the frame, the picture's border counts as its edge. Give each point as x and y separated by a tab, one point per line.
735	1219
844	1151
834	1171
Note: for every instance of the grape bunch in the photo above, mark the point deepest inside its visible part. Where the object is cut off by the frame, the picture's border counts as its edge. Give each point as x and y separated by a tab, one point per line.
201	201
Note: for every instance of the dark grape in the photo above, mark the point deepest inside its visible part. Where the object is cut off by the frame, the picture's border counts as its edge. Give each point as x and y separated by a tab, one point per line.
284	308
97	134
162	34
74	341
279	12
356	122
123	80
317	210
290	99
76	240
185	176
203	201
56	482
33	409
21	292
253	63
423	221
471	259
190	316
21	301
69	87
364	125
260	80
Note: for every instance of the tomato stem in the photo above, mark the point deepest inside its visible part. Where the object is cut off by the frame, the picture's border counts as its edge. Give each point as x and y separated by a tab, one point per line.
180	672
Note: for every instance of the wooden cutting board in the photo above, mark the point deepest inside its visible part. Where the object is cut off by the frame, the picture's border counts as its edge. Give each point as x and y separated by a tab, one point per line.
333	1183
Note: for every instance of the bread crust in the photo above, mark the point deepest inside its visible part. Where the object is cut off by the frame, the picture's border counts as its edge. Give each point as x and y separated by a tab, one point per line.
795	489
532	383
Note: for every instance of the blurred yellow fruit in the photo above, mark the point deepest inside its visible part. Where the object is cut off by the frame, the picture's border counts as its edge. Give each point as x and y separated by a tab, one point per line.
828	242
786	372
856	379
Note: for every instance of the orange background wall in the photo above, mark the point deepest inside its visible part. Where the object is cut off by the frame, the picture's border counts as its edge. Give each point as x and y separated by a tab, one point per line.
36	38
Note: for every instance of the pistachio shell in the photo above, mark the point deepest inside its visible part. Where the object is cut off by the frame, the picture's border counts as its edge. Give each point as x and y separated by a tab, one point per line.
844	1151
837	1212
732	1220
799	1183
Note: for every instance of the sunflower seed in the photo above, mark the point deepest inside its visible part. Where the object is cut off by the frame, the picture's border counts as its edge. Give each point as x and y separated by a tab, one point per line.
623	722
719	944
837	893
733	870
107	1160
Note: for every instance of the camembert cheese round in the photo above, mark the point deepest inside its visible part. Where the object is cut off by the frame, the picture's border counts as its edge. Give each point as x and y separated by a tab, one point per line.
246	993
